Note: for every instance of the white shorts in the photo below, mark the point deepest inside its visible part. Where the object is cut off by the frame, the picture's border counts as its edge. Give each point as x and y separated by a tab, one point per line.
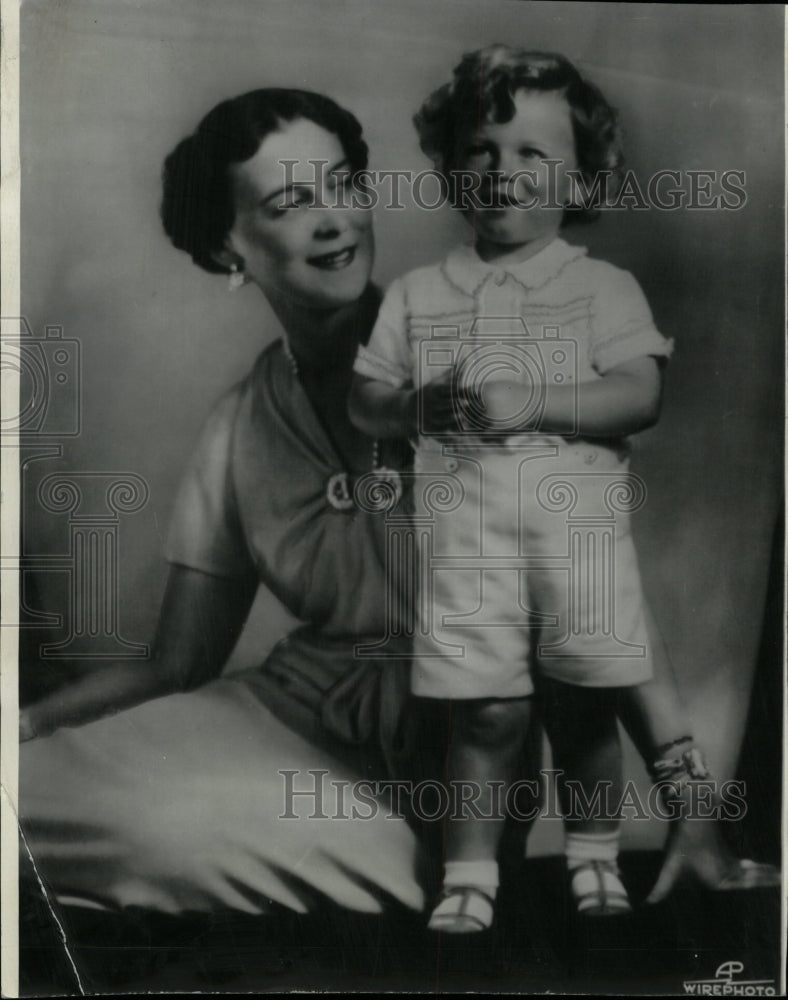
525	553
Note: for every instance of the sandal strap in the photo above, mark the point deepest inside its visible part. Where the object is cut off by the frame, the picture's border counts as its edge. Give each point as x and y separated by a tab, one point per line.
748	874
462	890
465	895
597	885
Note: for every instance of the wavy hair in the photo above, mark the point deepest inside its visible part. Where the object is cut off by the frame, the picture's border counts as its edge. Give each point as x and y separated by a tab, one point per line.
197	207
482	90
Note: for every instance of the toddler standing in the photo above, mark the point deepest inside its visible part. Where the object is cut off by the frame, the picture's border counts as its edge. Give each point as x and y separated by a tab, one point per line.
521	365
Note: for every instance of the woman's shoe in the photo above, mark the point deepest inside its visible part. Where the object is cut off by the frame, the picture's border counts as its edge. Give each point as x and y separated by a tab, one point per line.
697	852
747	874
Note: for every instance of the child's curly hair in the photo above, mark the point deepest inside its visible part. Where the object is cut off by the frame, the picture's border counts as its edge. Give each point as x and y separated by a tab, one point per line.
483	87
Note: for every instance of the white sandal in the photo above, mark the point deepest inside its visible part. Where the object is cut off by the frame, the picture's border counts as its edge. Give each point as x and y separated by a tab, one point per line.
462	909
598	890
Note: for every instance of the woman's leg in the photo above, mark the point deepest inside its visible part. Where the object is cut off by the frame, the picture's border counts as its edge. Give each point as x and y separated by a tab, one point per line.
653	713
656	720
204	802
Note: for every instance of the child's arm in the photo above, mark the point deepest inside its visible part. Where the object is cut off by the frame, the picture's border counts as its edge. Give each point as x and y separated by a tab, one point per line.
383	411
626	399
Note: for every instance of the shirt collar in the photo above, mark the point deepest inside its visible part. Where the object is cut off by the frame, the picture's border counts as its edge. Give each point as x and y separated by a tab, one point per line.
466	270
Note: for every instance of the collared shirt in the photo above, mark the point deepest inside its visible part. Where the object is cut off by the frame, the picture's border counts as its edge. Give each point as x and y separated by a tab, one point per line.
557	317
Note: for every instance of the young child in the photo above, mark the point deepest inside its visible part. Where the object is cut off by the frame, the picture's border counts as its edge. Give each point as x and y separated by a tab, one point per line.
521	365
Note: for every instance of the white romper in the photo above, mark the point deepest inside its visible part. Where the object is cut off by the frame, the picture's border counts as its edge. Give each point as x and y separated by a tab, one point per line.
525	547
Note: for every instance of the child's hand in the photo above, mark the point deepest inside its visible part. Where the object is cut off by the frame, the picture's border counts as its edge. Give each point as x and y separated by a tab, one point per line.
505	406
436	407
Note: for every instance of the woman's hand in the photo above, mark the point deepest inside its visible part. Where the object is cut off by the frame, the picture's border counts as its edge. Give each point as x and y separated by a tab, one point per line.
27	729
695	851
201	618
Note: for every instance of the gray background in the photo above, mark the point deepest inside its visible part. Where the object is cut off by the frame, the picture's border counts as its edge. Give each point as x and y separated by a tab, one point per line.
109	87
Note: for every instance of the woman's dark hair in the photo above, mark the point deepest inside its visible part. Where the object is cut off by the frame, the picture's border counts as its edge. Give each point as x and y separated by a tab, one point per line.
197	207
482	90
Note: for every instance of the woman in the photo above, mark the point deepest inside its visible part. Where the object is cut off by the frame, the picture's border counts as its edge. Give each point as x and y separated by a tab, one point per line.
177	804
183	793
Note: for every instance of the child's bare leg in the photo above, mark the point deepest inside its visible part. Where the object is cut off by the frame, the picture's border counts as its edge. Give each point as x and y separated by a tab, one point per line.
582	726
655	718
485	740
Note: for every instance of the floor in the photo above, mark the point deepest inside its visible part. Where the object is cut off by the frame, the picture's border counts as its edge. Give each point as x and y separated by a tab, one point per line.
537	946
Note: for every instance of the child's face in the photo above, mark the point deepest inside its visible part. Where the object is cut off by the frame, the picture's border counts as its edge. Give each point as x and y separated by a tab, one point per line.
514	180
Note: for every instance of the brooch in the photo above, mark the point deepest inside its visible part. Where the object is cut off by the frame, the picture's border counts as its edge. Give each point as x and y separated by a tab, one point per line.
338	492
376	491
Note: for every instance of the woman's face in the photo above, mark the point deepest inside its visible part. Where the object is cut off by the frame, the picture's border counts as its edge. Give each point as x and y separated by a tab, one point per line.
521	196
296	235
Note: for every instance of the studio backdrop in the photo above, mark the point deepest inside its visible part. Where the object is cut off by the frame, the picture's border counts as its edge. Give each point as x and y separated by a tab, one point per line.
147	342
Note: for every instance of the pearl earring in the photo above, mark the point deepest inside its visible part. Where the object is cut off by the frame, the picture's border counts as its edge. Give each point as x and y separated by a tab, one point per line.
237	278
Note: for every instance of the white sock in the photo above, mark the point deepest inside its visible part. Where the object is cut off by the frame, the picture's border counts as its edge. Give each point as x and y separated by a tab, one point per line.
482	874
583	847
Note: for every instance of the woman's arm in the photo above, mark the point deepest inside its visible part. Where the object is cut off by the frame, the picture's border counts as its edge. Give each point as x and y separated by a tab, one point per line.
624	401
200	620
383	411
